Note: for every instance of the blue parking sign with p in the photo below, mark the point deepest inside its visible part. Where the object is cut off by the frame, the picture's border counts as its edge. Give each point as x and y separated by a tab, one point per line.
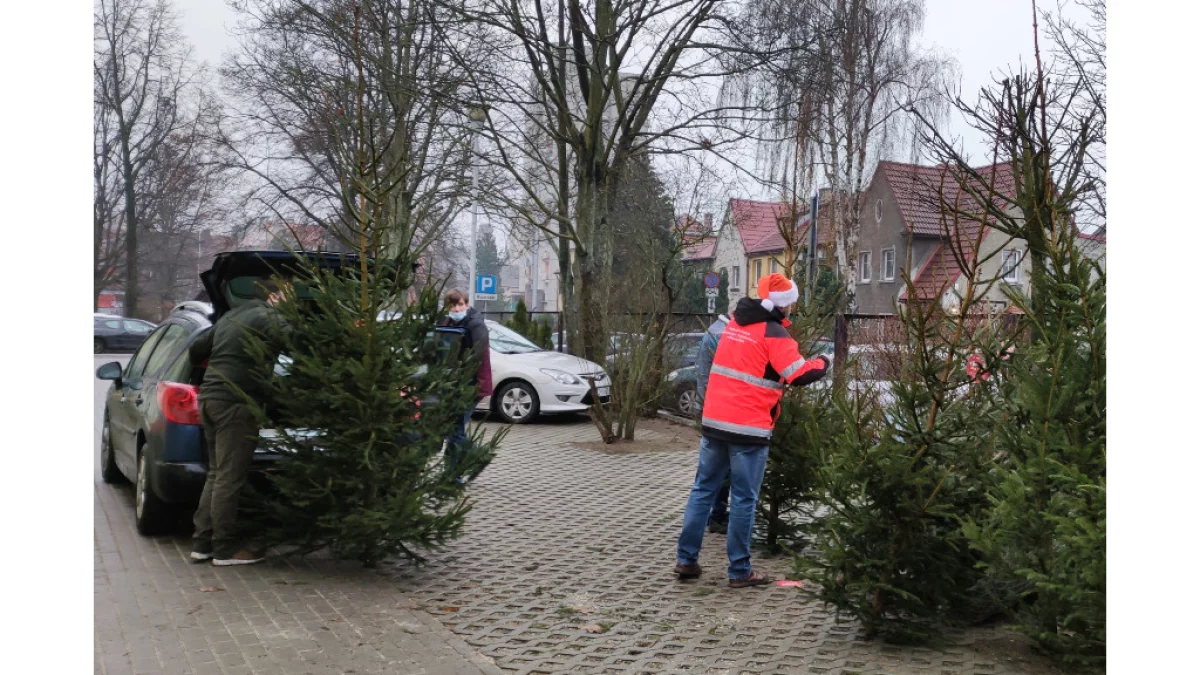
485	285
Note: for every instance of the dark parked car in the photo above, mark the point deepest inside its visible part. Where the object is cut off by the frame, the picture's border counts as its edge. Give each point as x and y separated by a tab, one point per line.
152	431
118	334
680	397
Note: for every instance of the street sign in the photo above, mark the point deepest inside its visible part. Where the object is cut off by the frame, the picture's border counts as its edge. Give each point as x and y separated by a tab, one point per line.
712	293
712	305
485	287
712	280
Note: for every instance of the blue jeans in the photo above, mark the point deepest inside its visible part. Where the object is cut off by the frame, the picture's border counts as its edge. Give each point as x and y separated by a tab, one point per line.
745	466
720	513
457	440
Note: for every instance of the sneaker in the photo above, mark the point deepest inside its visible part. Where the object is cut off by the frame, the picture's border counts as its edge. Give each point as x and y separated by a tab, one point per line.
755	579
201	550
242	557
687	571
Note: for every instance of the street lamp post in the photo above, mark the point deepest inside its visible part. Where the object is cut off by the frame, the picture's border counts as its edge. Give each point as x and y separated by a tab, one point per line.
477	115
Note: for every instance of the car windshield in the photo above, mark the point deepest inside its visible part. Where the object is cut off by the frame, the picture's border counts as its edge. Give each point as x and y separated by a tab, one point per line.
508	341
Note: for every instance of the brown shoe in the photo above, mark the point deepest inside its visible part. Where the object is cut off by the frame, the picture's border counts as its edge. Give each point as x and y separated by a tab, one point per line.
687	571
755	579
242	557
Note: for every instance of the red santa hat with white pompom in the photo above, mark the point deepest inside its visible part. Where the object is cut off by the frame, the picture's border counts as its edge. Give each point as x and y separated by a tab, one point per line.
777	290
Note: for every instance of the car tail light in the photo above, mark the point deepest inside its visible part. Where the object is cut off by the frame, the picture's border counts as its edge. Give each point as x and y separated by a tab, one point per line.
178	402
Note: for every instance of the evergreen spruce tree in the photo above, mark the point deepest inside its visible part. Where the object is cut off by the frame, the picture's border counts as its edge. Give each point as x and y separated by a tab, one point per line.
361	411
807	421
1046	524
536	331
487	260
895	483
691	298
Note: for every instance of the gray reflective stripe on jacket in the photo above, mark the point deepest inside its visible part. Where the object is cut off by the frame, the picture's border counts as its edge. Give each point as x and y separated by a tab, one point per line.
748	379
791	370
741	429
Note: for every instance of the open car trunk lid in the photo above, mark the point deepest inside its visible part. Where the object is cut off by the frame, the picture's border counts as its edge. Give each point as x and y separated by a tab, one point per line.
231	279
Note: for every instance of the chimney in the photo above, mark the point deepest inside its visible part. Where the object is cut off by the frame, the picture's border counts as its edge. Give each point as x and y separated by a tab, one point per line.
707	223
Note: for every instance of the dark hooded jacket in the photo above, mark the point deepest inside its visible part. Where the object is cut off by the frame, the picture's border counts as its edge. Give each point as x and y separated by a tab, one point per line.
477	334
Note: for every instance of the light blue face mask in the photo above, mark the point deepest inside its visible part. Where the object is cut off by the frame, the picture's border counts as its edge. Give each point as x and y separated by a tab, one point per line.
457	316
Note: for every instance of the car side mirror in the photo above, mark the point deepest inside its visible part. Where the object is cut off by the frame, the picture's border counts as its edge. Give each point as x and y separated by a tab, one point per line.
109	371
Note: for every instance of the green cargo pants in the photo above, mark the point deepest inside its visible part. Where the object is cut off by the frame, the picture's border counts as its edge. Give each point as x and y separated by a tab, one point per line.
231	434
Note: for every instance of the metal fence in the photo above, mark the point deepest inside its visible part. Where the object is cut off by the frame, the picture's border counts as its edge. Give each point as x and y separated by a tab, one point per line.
677	322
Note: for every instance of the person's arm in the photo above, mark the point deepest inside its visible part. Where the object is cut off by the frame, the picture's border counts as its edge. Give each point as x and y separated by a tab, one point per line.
479	340
708	350
794	369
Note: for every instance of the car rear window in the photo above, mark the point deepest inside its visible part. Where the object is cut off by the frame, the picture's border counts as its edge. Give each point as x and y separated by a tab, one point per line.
166	346
241	289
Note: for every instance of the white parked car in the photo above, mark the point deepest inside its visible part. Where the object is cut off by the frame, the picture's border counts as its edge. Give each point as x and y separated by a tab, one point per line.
529	381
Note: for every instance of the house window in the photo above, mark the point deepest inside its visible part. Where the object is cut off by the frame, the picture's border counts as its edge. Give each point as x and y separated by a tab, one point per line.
879	210
757	270
887	271
1010	269
736	279
864	267
774	265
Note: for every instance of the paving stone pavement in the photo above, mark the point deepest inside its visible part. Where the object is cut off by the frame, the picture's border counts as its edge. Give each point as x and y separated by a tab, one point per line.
562	537
155	612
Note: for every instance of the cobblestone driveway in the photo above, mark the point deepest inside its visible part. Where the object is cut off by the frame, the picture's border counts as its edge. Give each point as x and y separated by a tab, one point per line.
157	613
562	538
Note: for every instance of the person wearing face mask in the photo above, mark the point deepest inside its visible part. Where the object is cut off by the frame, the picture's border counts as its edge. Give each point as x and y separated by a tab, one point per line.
461	315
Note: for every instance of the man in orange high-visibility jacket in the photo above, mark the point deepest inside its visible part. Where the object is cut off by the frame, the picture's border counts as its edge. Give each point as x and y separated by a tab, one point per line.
755	359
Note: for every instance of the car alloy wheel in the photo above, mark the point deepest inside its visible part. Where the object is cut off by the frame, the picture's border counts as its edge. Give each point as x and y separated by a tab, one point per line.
518	403
687	402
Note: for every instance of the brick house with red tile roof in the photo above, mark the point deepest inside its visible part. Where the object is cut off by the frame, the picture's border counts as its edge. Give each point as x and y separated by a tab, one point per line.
747	223
769	253
903	228
749	235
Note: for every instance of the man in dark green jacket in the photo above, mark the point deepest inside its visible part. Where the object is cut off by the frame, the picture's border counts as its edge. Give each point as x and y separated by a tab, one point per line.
230	429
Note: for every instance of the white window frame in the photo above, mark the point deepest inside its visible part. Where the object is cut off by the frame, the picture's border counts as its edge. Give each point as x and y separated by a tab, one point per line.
864	267
774	266
735	281
758	270
883	260
1012	276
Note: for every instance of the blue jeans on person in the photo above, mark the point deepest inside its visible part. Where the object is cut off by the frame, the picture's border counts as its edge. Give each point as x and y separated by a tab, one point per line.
745	466
720	512
456	442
